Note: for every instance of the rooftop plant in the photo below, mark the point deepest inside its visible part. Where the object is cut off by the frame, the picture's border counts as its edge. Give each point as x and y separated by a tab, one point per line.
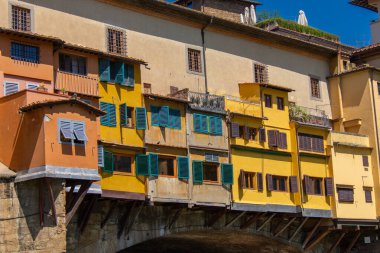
291	25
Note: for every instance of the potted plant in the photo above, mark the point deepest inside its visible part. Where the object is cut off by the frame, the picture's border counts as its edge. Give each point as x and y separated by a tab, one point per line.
42	88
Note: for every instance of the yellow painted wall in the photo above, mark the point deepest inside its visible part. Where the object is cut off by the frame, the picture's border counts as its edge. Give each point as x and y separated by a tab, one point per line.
118	94
348	169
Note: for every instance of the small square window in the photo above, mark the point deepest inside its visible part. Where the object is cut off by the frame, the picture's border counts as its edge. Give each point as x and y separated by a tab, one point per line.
249	180
368	194
315	186
116	41
268	101
72	64
241	132
279	183
315	88
280	103
210	172
261	73
166	166
194	60
122	163
21	19
345	194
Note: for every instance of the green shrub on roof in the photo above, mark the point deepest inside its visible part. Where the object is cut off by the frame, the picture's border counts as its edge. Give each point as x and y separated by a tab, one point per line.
291	25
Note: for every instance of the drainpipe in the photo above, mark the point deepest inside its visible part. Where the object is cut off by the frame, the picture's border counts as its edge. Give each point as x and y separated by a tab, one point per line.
299	167
228	121
190	182
204	51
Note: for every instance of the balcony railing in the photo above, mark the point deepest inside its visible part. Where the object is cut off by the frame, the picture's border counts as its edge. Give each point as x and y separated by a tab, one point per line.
206	102
76	83
309	116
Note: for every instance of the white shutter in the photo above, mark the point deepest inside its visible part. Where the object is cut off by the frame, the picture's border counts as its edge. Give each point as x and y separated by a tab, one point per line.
10	88
79	131
100	156
66	130
32	86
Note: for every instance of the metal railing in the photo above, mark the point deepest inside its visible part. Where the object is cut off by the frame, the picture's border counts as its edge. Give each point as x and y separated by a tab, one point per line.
309	116
76	83
207	102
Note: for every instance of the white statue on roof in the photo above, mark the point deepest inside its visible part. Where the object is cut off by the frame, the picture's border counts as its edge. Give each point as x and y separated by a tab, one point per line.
302	20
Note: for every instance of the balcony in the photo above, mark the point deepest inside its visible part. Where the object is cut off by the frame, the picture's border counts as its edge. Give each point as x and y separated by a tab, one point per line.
76	83
309	116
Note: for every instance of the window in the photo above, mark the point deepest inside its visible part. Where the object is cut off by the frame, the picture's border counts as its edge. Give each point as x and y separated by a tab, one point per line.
210	172
249	180
32	86
368	194
147	88
10	88
268	100
72	132
276	139
108	119
365	161
116	72
261	73
207	124
210	157
122	163
241	132
24	52
116	41
315	186
312	143
345	194
21	19
126	116
279	183
72	64
194	60
280	103
164	116
166	166
315	88
378	88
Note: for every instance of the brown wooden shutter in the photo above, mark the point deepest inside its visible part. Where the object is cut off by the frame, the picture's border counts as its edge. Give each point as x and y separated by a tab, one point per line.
283	143
306	183
365	161
350	193
269	182
262	135
300	142
246	133
329	186
260	182
272	138
241	179
235	130
345	195
293	184
368	195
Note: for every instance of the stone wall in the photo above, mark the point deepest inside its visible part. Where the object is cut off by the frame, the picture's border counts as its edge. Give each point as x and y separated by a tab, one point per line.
20	229
226	9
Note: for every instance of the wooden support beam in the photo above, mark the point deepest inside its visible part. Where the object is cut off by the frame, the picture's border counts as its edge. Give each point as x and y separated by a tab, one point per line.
353	242
109	213
41	202
298	228
333	247
130	225
266	221
311	233
216	217
284	228
77	201
175	217
318	239
51	200
251	220
231	222
124	219
87	213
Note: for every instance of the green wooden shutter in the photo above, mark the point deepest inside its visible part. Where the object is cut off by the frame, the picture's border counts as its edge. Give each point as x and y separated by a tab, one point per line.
197	122
204	124
183	167
163	116
153	165
129	75
104	118
104	70
142	165
198	172
174	118
119	70
212	124
227	174
140	118
112	115
123	115
108	161
154	119
219	127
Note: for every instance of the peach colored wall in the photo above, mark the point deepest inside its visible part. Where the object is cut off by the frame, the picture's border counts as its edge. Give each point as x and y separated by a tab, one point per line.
22	82
42	71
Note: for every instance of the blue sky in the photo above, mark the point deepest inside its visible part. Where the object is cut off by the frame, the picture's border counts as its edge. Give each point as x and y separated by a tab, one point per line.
350	23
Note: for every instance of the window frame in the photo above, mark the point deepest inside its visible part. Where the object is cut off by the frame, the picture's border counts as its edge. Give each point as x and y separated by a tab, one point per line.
275	185
174	159
72	56
123	40
338	188
282	107
217	166
188	70
314	78
270	100
72	142
117	172
312	181
260	73
252	177
21	6
378	88
10	82
24	59
366	190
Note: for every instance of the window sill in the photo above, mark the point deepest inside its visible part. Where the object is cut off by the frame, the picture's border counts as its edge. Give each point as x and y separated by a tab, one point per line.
123	173
211	183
